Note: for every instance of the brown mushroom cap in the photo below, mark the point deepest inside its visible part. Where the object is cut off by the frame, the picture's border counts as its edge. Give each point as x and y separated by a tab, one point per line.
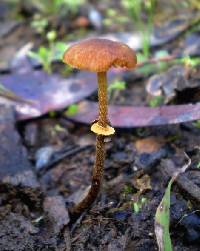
98	55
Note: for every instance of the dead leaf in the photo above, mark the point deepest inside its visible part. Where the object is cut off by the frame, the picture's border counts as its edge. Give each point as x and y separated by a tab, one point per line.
130	117
172	82
49	92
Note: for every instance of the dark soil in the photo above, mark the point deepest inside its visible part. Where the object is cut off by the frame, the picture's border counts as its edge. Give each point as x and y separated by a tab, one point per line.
111	223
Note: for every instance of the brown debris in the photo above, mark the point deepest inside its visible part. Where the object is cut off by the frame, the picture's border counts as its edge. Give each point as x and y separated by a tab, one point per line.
149	145
143	183
81	22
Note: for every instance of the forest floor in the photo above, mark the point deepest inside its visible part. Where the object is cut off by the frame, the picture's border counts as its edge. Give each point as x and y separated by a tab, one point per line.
36	191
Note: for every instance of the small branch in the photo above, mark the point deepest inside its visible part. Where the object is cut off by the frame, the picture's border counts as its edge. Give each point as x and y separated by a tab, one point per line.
158	60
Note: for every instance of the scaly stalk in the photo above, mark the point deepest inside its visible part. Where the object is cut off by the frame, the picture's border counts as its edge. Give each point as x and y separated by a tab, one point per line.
97	176
102	96
97	173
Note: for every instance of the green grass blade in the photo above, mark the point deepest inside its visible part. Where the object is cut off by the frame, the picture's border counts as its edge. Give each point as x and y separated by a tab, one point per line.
162	221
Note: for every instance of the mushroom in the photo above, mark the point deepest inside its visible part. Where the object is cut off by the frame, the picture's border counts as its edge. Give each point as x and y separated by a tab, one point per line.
98	55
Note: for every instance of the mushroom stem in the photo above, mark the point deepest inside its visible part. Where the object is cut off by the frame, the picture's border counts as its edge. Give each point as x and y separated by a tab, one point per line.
97	173
97	176
102	96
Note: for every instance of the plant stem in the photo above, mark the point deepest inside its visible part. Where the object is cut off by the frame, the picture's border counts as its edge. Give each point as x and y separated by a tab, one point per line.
97	176
102	96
